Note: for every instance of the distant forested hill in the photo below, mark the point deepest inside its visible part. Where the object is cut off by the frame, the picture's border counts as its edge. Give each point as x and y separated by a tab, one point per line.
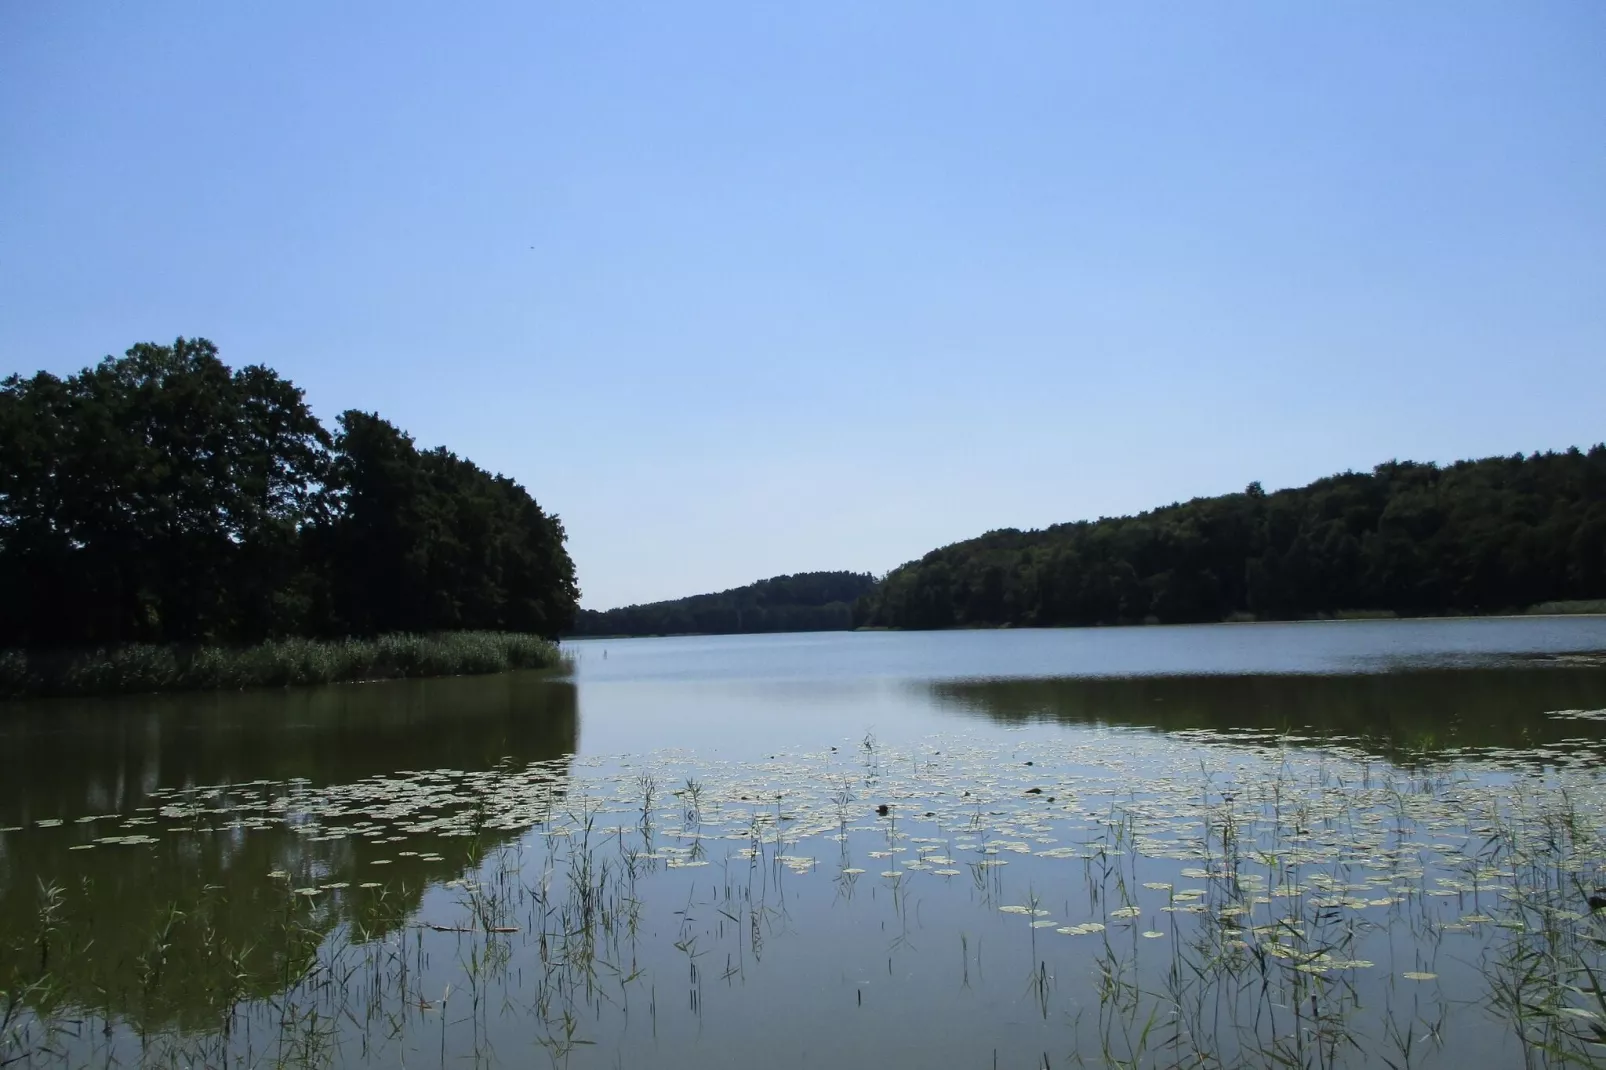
809	601
1474	537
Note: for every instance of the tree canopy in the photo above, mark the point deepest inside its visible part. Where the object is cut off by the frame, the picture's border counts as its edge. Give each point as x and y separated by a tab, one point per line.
163	497
1476	537
806	602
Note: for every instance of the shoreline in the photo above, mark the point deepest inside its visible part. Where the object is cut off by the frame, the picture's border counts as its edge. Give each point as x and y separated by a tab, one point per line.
1369	619
134	669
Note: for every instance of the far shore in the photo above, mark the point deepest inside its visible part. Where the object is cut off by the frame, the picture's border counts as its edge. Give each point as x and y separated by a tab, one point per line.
1359	619
1362	617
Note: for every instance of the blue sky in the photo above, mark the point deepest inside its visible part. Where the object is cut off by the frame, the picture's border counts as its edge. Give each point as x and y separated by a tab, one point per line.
743	289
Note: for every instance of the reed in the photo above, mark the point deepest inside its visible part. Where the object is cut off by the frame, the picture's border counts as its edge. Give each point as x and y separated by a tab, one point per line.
1578	605
1302	918
140	668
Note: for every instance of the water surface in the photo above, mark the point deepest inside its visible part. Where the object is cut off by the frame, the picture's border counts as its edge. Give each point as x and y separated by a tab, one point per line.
673	856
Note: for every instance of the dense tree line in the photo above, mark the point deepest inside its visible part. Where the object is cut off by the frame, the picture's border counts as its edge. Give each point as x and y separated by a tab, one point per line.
807	602
1475	536
164	497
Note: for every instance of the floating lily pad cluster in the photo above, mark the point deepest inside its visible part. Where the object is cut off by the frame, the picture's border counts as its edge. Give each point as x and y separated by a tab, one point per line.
1303	859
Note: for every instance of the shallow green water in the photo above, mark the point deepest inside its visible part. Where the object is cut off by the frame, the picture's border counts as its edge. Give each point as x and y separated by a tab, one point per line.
1264	845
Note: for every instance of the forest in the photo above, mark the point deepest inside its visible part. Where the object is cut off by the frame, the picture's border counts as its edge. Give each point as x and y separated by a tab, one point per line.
162	497
806	602
1487	536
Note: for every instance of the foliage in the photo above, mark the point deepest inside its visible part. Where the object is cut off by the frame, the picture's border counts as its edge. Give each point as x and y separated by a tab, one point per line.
1411	539
140	667
425	541
806	602
162	497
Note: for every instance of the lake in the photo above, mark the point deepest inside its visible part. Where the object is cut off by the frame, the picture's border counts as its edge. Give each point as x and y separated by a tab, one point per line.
1326	844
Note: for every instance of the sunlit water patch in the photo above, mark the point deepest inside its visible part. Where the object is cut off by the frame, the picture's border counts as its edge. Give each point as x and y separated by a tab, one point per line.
1118	898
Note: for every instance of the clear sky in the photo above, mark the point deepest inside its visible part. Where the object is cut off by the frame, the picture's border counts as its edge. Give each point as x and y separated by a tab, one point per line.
752	288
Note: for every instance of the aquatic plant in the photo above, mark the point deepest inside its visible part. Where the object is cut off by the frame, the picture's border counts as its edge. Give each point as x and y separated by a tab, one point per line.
135	668
1189	900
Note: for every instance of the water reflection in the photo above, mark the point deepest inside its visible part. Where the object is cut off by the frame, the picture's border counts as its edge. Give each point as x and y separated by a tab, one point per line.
252	877
68	757
173	930
1402	714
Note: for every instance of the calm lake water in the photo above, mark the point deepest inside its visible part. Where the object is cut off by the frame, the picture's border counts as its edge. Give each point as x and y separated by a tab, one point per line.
1366	843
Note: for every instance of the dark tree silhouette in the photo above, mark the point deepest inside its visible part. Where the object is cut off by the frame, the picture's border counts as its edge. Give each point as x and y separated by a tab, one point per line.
807	602
163	497
1485	536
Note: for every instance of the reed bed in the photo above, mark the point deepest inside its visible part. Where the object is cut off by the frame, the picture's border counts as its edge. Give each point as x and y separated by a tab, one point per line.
137	668
1578	605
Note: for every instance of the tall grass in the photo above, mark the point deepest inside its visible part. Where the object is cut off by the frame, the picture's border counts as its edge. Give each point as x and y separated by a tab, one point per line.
1577	605
136	668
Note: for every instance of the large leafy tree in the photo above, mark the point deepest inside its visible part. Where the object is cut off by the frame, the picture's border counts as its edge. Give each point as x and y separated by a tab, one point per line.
162	496
155	496
425	541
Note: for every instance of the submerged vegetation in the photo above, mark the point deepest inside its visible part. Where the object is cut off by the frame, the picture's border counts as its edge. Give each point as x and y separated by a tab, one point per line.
1119	899
165	498
1487	536
135	668
806	602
